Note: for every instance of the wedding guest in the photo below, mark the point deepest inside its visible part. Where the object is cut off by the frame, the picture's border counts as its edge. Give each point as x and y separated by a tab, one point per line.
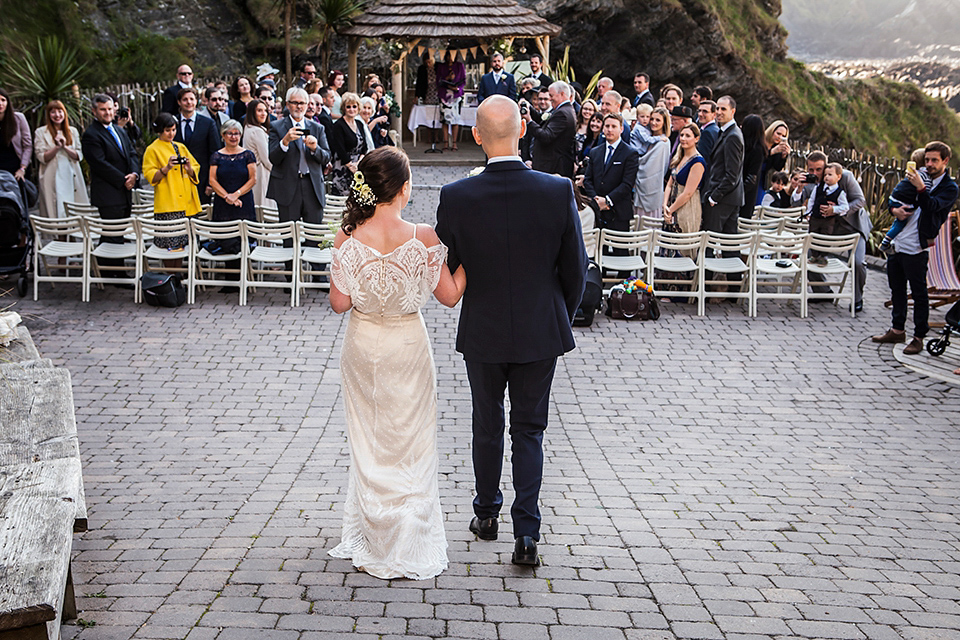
640	136
553	139
369	81
754	153
315	109
348	144
587	111
610	103
324	116
255	138
648	190
497	81
528	90
168	102
536	71
778	196
265	94
266	74
451	78
682	195
603	86
426	87
173	172
16	143
610	176
57	147
680	116
709	131
125	122
776	137
242	93
378	127
200	136
233	174
335	81
216	108
672	96
594	138
641	84
308	71
699	94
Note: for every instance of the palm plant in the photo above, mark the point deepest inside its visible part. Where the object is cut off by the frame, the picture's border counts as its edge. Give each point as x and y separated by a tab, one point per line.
333	16
50	73
563	71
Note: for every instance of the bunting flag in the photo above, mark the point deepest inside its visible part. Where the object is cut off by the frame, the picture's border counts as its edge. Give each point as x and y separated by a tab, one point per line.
462	54
432	52
441	55
485	48
473	52
420	49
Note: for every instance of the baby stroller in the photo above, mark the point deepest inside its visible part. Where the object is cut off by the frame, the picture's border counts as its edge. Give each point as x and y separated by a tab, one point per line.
16	236
937	346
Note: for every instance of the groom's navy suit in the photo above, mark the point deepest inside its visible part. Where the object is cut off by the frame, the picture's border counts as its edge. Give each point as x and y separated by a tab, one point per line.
517	234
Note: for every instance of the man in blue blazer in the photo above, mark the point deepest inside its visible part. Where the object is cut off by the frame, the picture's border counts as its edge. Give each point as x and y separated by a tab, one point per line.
517	234
610	176
497	81
201	137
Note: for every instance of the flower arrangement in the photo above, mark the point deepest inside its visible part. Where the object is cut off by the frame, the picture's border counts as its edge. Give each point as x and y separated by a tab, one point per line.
390	101
502	46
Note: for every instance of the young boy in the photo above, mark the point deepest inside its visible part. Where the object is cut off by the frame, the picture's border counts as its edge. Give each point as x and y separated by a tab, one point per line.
777	197
905	195
796	188
827	194
641	140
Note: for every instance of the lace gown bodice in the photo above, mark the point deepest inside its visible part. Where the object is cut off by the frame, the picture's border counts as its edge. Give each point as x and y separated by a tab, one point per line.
396	283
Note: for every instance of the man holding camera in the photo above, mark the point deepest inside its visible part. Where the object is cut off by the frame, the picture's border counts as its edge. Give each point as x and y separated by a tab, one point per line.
553	137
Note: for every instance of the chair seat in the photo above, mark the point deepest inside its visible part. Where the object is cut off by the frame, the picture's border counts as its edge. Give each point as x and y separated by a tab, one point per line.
59	249
272	254
725	265
833	266
623	263
766	265
158	253
315	255
675	265
203	254
115	251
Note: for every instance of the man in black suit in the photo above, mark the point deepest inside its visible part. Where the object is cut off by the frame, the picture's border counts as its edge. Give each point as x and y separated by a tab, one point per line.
113	169
641	84
216	109
723	195
517	234
308	72
553	138
201	137
610	176
536	71
325	115
168	102
497	81
299	152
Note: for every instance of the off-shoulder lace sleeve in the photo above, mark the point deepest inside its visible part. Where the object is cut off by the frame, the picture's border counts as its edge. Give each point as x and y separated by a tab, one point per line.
340	272
436	260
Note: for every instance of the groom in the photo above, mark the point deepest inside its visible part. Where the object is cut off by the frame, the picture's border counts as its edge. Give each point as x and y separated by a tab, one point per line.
517	234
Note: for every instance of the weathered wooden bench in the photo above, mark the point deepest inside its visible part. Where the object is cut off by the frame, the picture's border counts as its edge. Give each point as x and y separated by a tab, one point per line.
42	502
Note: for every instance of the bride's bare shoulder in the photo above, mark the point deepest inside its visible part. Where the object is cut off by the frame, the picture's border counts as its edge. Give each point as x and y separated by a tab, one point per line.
427	235
340	238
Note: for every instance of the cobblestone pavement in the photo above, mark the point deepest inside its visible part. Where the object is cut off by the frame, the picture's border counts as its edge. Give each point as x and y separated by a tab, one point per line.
716	477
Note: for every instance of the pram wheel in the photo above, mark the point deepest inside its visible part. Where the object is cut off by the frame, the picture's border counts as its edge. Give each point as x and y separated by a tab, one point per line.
22	286
937	346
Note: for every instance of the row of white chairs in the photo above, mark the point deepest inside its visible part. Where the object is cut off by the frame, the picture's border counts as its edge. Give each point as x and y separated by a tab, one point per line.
332	212
67	250
757	258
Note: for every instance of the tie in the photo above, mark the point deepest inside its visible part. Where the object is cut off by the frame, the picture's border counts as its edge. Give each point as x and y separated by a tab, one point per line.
606	163
115	135
303	168
188	131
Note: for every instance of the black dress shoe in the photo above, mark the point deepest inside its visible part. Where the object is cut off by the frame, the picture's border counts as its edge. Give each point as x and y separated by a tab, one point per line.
122	285
857	308
485	529
525	552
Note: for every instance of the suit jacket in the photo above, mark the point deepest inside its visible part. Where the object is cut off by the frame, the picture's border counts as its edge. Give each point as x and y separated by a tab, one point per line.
219	119
544	80
725	185
169	103
708	140
615	182
553	141
203	143
326	120
644	98
109	166
286	164
935	205
506	87
517	234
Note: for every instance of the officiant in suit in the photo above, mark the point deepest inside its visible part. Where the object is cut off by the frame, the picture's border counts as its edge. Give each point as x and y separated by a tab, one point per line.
517	234
497	81
200	135
553	138
610	176
723	195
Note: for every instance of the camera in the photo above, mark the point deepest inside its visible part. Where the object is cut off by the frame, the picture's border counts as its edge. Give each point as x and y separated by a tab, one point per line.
810	178
524	108
124	112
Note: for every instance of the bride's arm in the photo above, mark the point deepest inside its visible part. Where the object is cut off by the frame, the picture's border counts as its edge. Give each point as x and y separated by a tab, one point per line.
450	288
338	300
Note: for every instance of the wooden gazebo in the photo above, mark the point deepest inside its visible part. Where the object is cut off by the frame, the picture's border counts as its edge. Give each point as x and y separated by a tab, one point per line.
412	21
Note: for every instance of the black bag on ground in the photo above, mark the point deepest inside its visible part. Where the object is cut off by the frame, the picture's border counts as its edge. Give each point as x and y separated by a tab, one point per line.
162	290
637	305
592	297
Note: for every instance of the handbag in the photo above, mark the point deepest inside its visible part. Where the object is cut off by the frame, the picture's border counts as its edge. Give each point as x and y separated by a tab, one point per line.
163	290
637	305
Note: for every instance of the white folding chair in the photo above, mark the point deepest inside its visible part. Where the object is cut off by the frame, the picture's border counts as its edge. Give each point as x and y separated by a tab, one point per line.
213	269
742	244
59	239
333	215
145	209
634	247
267	214
269	257
837	265
321	254
771	213
780	261
336	201
148	230
751	225
591	242
80	210
143	196
688	245
651	222
97	229
795	226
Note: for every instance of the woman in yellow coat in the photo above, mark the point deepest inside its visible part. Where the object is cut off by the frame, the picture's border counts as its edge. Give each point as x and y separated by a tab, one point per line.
172	171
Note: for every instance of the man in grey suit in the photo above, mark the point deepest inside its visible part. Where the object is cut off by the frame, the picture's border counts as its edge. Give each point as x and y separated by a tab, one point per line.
299	152
723	196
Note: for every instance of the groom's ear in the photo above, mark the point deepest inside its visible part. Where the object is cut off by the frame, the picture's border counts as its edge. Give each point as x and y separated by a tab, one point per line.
476	136
523	129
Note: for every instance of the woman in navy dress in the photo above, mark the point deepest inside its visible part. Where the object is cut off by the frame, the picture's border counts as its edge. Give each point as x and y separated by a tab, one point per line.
233	172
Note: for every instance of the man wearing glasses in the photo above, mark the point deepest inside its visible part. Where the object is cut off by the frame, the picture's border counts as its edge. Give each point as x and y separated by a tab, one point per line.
184	81
308	71
216	108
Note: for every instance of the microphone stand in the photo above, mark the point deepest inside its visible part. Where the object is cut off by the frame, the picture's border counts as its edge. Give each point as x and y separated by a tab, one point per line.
433	131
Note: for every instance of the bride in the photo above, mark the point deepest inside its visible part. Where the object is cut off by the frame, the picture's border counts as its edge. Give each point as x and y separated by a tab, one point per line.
384	269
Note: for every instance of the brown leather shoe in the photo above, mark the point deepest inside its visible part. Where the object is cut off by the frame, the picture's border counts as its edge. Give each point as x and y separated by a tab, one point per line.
915	347
891	337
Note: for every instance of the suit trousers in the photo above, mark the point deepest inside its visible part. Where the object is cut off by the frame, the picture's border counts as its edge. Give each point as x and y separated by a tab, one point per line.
305	206
903	268
114	212
721	218
529	387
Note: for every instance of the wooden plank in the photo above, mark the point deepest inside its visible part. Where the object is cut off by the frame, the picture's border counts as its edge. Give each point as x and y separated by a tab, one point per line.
37	513
21	349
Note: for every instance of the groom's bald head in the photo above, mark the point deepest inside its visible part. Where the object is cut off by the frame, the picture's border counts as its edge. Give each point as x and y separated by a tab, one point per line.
499	127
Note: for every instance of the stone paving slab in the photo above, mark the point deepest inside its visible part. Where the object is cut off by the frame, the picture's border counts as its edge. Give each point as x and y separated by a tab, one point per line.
718	477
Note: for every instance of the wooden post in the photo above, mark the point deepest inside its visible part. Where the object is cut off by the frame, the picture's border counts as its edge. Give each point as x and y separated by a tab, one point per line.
395	122
353	45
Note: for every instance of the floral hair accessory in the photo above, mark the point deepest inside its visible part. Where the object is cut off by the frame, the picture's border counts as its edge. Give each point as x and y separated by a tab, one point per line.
362	192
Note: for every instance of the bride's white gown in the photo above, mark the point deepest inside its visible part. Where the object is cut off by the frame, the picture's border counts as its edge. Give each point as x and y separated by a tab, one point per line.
392	523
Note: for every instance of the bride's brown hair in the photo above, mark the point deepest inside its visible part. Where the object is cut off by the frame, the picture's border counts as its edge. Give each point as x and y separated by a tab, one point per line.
384	171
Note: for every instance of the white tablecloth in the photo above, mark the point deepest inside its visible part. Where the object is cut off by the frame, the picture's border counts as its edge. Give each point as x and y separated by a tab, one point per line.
428	115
